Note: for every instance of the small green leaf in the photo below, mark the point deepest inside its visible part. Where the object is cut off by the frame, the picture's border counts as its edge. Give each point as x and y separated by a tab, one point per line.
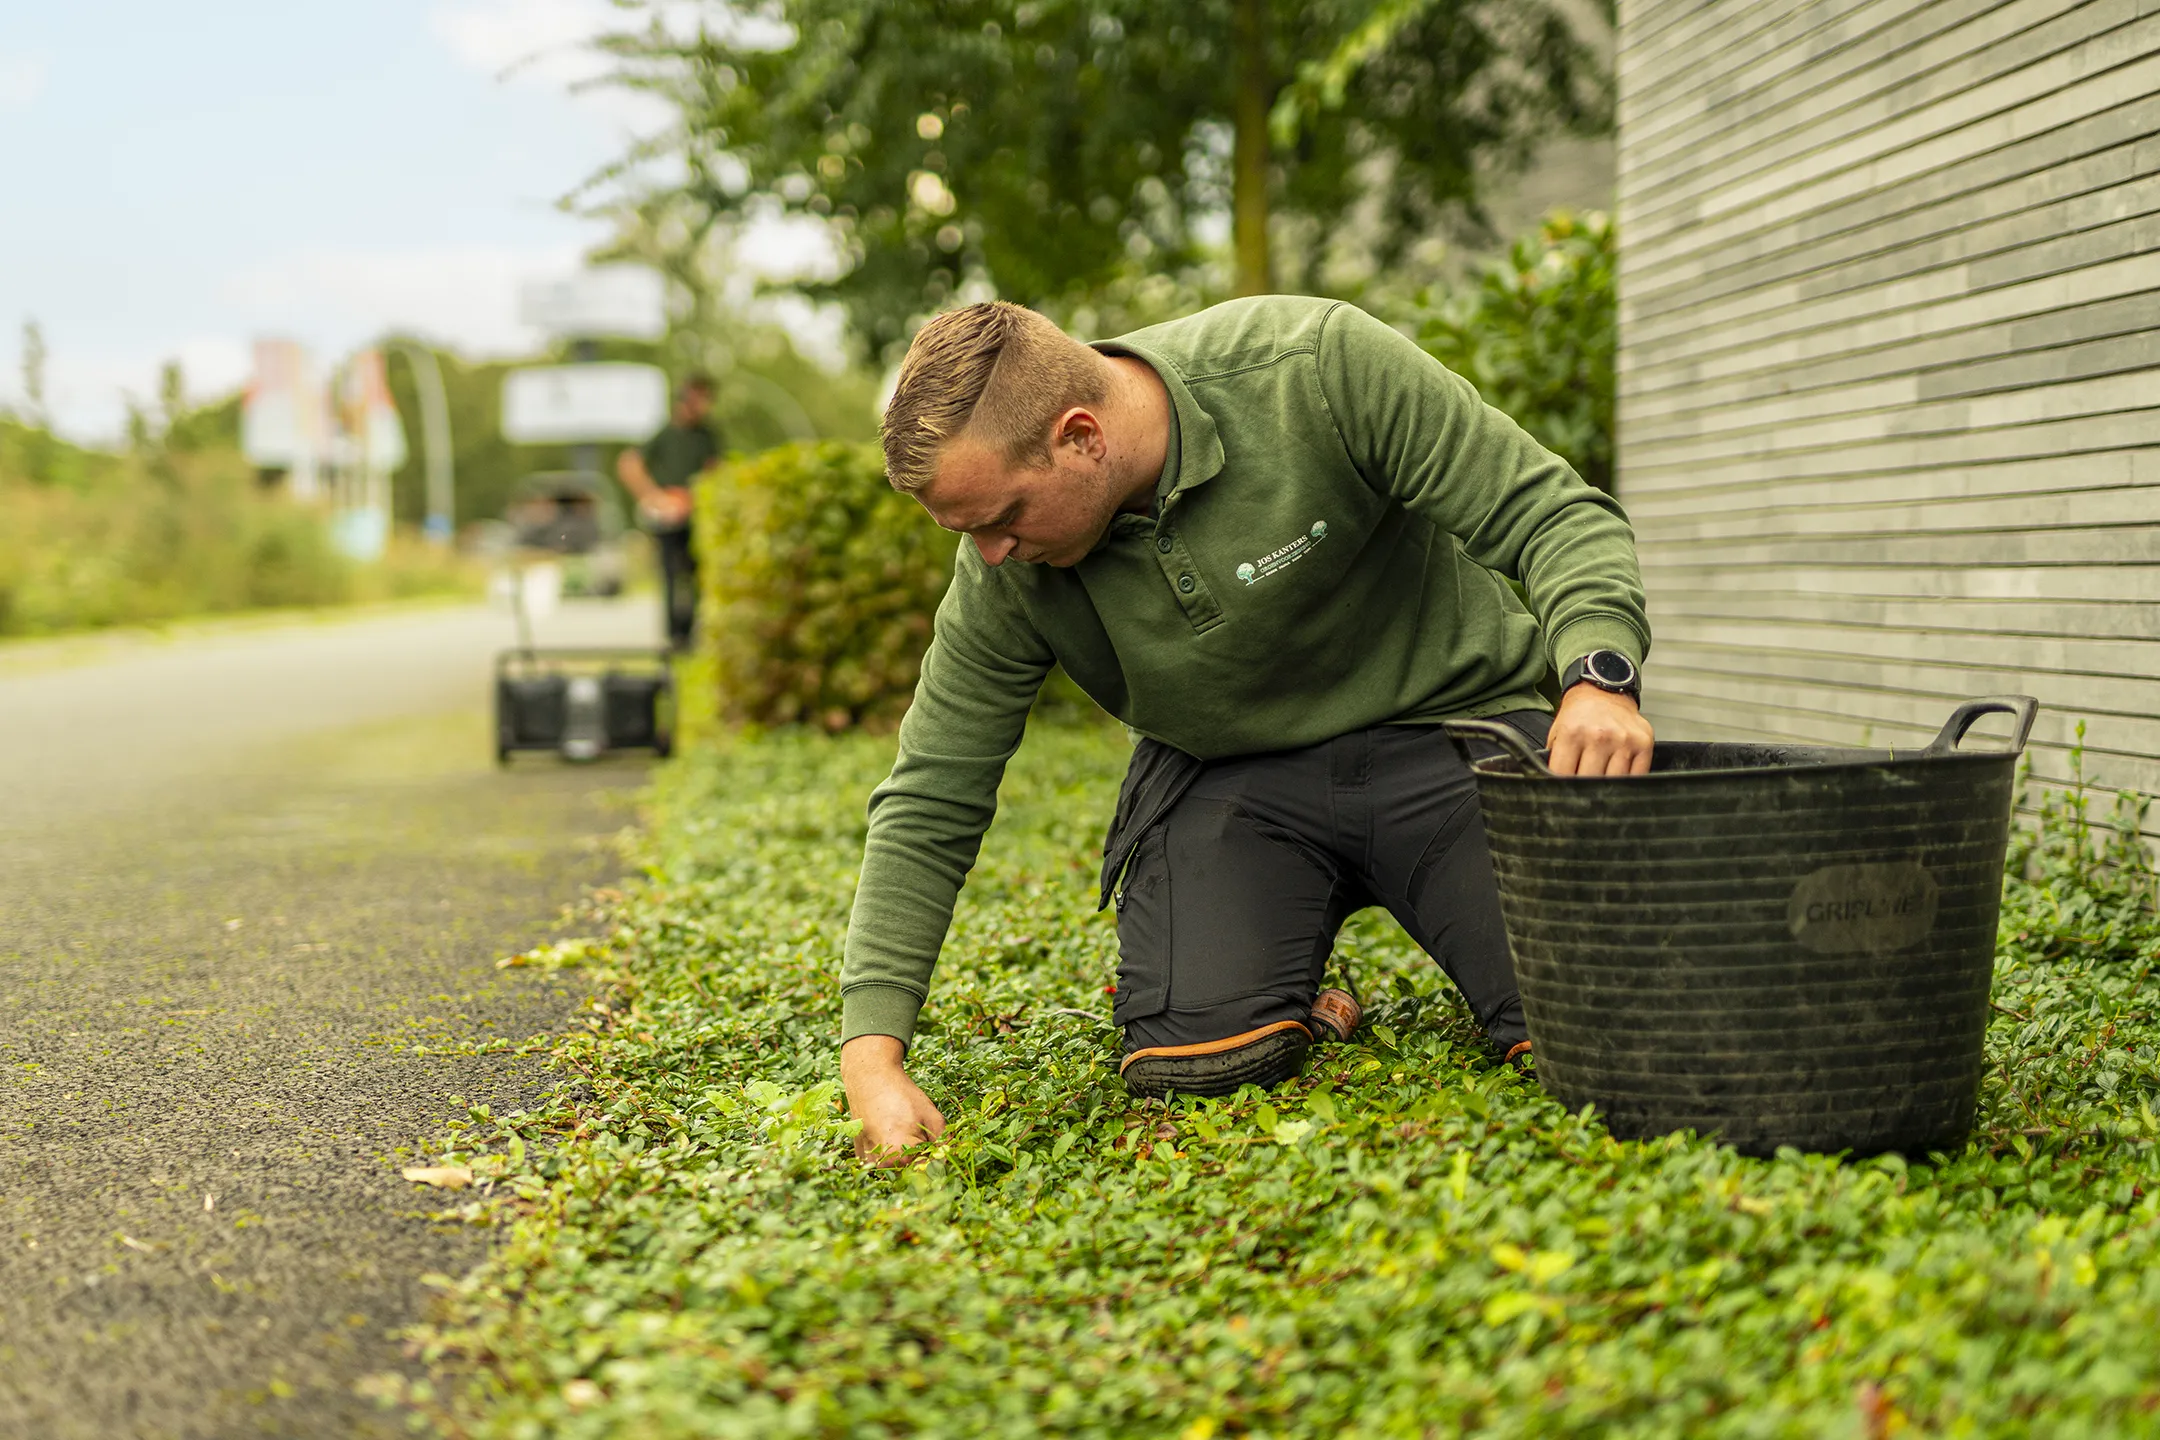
1509	1305
1548	1265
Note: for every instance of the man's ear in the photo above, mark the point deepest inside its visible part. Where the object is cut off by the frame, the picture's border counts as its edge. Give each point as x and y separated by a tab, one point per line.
1079	429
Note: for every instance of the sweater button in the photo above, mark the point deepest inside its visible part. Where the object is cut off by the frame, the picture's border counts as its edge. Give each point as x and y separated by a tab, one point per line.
1185	584
1162	543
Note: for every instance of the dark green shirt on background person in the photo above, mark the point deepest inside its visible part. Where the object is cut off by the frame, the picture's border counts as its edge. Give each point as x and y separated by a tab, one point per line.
676	456
1333	523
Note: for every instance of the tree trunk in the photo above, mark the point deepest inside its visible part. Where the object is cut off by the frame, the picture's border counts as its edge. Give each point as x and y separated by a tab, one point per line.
1249	160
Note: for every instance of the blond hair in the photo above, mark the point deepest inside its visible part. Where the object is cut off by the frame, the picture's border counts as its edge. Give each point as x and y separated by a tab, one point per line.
996	369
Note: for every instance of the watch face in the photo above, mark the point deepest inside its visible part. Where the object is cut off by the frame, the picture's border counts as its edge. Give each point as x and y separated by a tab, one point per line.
1610	666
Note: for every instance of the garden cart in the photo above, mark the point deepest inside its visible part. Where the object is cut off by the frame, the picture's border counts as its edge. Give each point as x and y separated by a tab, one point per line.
581	702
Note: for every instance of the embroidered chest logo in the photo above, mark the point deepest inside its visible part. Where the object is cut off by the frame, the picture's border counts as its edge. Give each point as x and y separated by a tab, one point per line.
1256	570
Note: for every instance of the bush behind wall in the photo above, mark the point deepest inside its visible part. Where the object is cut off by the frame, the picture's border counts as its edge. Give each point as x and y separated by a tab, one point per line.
1536	336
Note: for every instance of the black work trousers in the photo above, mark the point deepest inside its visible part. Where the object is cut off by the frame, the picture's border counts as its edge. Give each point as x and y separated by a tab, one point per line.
678	584
1243	870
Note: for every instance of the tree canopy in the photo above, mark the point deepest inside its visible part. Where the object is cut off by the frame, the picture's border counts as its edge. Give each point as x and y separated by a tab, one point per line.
1044	150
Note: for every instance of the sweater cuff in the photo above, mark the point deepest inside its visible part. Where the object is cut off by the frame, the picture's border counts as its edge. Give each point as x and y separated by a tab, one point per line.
879	1010
1596	632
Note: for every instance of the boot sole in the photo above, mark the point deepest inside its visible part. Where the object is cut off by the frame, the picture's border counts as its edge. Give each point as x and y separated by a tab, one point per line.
1267	1061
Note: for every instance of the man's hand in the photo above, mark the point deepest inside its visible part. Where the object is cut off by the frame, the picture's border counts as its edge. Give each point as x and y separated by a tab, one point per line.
1598	733
894	1111
669	506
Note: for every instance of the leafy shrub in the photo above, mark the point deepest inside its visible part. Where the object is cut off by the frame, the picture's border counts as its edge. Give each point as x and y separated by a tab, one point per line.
153	540
820	582
1407	1241
90	540
1535	335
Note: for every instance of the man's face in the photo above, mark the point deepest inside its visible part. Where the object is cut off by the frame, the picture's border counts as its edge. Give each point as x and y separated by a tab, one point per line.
1049	514
693	406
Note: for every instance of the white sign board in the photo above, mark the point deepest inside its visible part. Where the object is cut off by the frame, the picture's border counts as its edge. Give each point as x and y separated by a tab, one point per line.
282	417
285	420
567	404
627	302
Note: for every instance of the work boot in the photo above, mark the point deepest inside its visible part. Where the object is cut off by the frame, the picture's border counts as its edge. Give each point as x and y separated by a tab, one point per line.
1507	1040
1264	1057
1336	1015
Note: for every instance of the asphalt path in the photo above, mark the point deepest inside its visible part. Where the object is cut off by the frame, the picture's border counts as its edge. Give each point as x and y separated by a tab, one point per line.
244	872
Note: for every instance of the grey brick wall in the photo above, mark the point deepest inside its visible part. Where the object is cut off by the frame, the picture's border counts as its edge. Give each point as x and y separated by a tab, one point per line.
1889	417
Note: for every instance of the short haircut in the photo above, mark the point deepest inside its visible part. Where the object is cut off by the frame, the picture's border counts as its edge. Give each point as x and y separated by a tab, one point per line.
698	384
996	369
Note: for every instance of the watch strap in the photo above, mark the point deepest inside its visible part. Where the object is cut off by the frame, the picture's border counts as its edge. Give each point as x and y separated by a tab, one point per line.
1578	670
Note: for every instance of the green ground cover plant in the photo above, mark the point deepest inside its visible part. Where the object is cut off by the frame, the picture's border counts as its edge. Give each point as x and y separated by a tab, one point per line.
1408	1241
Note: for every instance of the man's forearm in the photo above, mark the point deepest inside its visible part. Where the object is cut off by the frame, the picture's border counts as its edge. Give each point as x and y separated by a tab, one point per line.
981	673
903	907
630	469
926	827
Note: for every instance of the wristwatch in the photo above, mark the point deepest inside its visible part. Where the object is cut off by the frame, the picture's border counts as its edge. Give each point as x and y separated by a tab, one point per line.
1606	669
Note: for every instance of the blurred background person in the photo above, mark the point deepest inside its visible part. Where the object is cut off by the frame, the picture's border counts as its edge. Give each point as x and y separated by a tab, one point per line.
659	475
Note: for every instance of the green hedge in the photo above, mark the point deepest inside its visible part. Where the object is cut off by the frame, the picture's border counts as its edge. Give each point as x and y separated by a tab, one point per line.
820	582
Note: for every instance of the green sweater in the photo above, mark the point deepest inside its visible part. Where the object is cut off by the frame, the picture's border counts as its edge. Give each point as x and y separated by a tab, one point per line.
1334	522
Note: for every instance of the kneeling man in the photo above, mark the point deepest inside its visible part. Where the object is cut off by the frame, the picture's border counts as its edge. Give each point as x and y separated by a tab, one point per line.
1275	539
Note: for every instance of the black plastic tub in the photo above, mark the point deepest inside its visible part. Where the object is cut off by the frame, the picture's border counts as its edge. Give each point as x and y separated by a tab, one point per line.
1769	944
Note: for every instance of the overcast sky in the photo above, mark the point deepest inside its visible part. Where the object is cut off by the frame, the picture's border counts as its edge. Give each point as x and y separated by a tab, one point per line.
180	178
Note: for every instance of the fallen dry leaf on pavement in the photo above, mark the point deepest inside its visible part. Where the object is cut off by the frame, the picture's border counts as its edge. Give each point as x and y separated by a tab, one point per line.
449	1177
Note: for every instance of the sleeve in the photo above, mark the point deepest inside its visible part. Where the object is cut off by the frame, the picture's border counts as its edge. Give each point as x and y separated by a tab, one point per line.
980	676
1420	433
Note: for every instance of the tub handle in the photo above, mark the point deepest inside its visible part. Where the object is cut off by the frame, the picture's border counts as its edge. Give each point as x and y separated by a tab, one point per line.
1506	736
2024	707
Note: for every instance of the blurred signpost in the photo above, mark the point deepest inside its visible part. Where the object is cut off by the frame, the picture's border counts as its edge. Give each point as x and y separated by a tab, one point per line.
566	404
435	436
625	302
584	403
